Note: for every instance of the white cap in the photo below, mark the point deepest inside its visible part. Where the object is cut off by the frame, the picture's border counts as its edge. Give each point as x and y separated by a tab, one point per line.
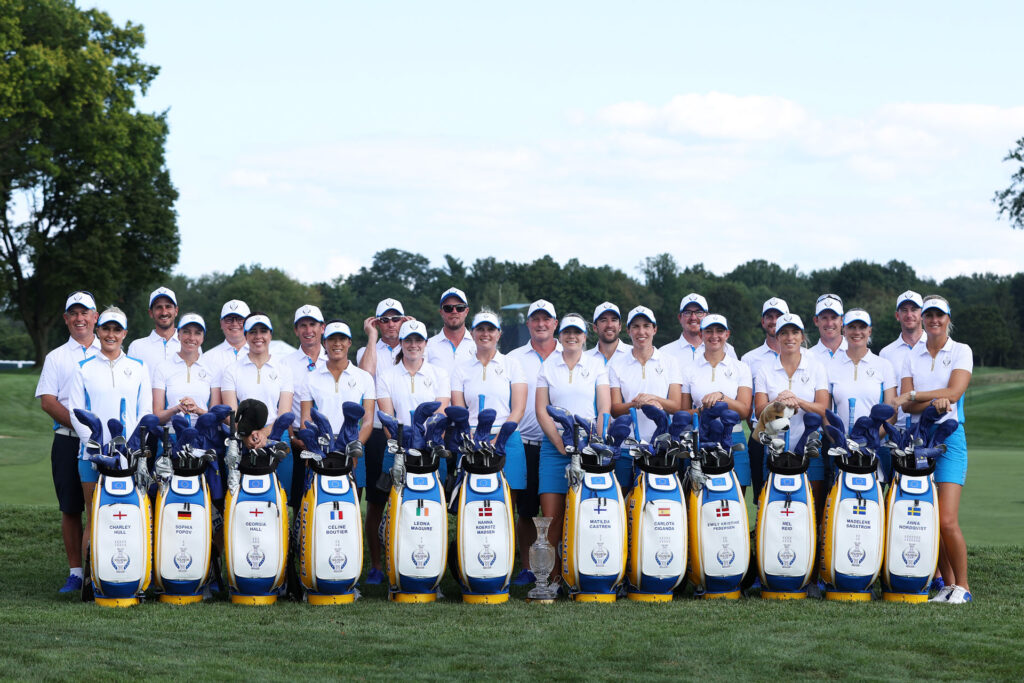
234	307
857	314
162	291
694	298
641	310
308	312
911	296
542	305
257	320
389	305
456	292
412	327
714	319
486	317
573	321
337	327
192	319
829	302
604	307
788	319
113	317
935	303
775	304
80	299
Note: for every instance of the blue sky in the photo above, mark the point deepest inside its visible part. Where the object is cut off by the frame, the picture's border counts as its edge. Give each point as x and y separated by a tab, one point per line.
309	135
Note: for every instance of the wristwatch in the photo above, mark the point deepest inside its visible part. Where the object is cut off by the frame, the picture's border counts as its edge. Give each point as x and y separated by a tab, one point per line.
913	395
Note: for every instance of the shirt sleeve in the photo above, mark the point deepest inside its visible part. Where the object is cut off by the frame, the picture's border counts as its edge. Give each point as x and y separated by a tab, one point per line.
443	381
303	392
228	380
907	370
542	376
160	376
287	379
369	386
889	380
963	358
730	351
49	378
602	373
613	376
384	385
745	379
761	382
820	378
457	380
145	406
675	375
516	375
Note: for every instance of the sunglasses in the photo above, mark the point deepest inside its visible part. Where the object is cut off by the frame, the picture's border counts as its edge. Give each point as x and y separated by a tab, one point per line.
390	319
451	308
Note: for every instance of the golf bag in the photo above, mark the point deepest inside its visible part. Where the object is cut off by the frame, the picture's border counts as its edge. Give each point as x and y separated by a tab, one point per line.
330	519
786	533
853	525
594	530
719	533
656	509
256	519
120	541
912	509
415	524
484	548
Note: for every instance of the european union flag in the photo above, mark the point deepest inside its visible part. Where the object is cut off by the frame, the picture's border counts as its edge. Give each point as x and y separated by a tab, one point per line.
787	481
119	485
421	481
860	481
915	484
662	481
185	484
334	484
719	481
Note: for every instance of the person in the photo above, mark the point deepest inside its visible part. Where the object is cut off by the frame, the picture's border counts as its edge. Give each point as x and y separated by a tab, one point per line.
858	379
716	376
162	343
645	377
232	317
939	375
687	349
800	382
53	390
828	318
579	383
452	344
910	340
608	325
493	380
112	386
183	383
377	358
308	324
336	381
541	322
767	352
257	375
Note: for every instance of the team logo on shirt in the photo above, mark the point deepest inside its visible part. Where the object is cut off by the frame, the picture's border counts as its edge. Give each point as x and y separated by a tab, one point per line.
127	372
352	384
202	374
498	371
804	377
728	372
658	370
870	372
947	361
427	382
584	372
273	374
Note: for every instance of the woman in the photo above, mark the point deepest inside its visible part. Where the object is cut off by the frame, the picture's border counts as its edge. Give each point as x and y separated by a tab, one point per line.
800	382
577	382
110	385
182	383
493	380
644	376
716	376
938	375
329	386
858	379
258	376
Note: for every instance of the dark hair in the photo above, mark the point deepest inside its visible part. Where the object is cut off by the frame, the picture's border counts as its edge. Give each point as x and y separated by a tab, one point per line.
252	315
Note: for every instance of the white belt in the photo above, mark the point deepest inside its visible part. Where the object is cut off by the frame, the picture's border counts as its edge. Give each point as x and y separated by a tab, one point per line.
531	442
66	431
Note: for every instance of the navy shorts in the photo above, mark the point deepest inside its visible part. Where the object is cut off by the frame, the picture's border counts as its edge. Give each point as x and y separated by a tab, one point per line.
528	500
373	455
66	482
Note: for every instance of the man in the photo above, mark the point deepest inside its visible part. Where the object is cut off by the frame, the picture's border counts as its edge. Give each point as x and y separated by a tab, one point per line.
376	358
828	318
310	356
453	343
542	322
59	368
690	347
162	343
608	325
911	339
232	319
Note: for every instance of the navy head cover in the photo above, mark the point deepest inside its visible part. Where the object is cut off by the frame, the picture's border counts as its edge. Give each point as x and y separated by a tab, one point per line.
188	437
115	428
943	431
322	426
566	423
180	423
92	423
458	427
310	436
812	423
281	425
352	413
209	427
390	424
835	430
484	421
151	425
619	430
418	439
865	432
658	416
681	421
434	429
504	433
900	438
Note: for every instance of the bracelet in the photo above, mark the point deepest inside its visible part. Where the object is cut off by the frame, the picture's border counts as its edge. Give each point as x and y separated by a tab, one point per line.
913	395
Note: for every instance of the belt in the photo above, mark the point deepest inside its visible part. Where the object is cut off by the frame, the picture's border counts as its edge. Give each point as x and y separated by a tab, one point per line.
66	431
530	442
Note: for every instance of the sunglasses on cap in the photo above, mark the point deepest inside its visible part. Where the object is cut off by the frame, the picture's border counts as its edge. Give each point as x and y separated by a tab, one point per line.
390	319
451	308
829	296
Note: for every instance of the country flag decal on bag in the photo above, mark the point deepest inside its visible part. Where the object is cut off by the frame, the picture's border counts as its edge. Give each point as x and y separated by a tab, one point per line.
723	509
860	507
184	514
485	511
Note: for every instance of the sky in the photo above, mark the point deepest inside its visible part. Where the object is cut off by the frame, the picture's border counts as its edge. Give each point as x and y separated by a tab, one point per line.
309	135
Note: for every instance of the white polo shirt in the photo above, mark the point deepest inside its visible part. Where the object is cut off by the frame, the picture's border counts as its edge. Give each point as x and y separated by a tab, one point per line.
632	378
685	354
933	373
492	381
385	362
755	358
810	377
154	350
574	389
621	349
221	356
179	380
530	361
445	355
701	378
265	384
60	368
897	353
824	354
327	394
119	389
408	390
864	383
302	366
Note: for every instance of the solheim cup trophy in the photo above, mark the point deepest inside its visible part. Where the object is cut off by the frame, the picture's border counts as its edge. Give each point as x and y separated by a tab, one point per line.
542	561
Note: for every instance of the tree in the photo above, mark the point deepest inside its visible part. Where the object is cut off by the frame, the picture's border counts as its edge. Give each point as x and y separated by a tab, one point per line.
1011	200
88	201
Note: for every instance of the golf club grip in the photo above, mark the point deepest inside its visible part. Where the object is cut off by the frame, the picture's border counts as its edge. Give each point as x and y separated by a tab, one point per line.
636	423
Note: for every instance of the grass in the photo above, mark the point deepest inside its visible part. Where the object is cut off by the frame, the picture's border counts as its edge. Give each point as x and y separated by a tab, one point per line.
50	636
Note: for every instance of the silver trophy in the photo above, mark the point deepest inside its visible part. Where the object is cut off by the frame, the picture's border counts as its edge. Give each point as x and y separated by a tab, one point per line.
542	561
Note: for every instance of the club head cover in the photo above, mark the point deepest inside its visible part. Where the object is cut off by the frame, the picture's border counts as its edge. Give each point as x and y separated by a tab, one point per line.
931	453
151	425
716	410
458	427
587	426
417	439
115	428
281	425
323	425
504	433
899	437
251	415
729	418
352	413
604	452
92	423
566	423
619	430
434	429
208	426
812	423
929	416
658	416
484	421
389	423
836	423
943	431
882	412
310	437
188	438
681	421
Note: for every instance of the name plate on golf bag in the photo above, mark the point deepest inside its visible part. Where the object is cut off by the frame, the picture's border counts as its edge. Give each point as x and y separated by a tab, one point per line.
599	537
338	542
256	540
786	533
912	535
422	538
183	542
854	533
656	515
719	535
120	545
485	540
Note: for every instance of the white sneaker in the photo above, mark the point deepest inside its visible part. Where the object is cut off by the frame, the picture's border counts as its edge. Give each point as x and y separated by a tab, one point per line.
959	596
943	594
